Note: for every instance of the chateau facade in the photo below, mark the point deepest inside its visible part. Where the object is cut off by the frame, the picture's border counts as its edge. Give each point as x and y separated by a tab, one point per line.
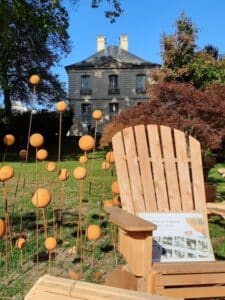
110	80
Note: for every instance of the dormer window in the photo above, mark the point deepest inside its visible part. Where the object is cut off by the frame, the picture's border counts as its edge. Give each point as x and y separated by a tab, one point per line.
85	86
140	83
113	85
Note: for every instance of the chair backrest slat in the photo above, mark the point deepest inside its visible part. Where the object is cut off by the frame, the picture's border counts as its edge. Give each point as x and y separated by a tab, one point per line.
133	169
122	172
197	174
145	168
158	168
183	171
170	169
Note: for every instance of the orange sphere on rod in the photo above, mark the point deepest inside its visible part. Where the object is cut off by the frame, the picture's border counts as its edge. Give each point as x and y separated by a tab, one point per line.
36	140
97	115
116	200
115	187
2	228
110	157
34	79
93	232
80	173
105	165
42	154
61	106
51	166
73	275
9	139
108	203
86	143
6	173
41	198
63	174
23	154
20	243
83	159
50	243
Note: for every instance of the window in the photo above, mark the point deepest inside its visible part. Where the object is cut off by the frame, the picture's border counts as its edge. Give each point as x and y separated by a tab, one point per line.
113	85
113	109
140	83
85	85
86	116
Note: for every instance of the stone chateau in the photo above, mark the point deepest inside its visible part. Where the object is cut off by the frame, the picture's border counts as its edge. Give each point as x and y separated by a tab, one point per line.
110	80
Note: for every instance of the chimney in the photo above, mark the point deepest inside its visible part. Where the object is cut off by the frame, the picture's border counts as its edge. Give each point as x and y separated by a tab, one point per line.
124	42
100	42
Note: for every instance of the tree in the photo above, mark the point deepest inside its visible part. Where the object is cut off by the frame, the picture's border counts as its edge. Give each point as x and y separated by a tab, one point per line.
212	51
177	51
114	12
205	70
181	61
33	38
178	105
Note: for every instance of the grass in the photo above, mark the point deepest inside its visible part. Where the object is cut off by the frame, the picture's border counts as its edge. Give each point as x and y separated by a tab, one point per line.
216	223
98	259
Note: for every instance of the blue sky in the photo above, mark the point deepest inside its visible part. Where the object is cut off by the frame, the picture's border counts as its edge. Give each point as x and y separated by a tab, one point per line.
144	21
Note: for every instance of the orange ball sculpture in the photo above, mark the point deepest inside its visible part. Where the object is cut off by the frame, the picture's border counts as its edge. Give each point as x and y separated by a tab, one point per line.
115	187
42	154
61	106
105	165
80	173
36	140
97	115
51	166
50	243
9	139
6	173
34	79
63	174
93	232
20	243
73	275
108	203
83	159
2	228
41	198
116	200
23	154
110	157
86	143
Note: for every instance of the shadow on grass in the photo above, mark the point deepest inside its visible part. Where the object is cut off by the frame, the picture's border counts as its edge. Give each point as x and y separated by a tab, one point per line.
43	256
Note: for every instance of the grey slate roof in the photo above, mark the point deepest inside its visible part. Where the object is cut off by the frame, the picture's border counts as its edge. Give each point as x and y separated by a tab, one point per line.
105	56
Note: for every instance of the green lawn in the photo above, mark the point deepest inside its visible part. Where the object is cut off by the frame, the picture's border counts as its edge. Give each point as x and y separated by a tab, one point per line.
216	223
99	257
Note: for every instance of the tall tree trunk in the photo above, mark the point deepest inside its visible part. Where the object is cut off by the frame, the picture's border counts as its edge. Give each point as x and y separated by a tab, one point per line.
7	101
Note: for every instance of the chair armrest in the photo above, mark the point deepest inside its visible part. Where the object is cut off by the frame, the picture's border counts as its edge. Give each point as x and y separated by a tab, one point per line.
216	208
128	221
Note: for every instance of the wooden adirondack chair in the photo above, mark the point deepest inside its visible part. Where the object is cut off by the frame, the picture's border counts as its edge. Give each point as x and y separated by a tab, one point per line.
160	170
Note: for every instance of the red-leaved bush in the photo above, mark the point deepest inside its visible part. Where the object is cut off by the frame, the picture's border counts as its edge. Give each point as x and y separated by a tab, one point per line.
181	106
